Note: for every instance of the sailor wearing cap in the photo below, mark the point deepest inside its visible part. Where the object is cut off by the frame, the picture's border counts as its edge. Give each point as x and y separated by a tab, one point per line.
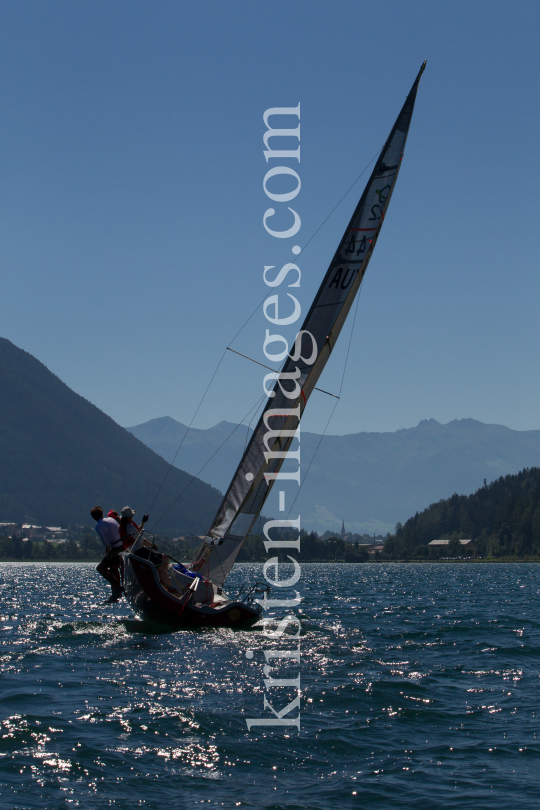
128	528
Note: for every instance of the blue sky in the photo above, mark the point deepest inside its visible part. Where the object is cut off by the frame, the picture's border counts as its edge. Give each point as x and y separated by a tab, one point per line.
132	244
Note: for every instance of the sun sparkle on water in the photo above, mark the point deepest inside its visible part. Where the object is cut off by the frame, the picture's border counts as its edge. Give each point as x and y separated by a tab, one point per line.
419	681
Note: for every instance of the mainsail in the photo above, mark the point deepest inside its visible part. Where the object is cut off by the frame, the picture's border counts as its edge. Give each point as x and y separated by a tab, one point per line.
277	427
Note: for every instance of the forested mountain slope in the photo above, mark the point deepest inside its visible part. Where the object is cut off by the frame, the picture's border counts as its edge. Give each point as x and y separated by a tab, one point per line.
60	455
503	518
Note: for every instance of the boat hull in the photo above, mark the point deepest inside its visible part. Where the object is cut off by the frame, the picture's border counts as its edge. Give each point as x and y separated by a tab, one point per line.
153	602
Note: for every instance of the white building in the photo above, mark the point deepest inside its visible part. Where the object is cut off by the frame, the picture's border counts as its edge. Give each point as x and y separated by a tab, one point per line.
468	543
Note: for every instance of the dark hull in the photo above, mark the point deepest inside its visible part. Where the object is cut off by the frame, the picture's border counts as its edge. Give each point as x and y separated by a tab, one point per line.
153	602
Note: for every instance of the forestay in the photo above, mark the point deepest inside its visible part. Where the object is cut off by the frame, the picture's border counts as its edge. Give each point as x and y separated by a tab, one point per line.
279	422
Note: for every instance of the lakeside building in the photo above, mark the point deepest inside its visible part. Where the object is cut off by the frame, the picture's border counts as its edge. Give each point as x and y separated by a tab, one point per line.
52	534
8	529
192	539
28	531
468	543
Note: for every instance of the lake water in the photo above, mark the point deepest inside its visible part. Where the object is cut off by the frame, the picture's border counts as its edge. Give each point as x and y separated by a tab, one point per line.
421	689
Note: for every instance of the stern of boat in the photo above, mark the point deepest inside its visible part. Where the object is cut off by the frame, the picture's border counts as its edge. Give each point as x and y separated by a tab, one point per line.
168	597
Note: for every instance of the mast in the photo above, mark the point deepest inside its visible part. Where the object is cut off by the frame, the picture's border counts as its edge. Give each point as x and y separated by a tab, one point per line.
277	426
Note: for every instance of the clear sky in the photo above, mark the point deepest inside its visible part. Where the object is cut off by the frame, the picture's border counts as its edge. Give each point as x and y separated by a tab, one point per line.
132	243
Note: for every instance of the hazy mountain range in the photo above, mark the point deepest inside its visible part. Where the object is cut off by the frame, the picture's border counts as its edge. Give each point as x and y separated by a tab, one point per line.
59	455
371	480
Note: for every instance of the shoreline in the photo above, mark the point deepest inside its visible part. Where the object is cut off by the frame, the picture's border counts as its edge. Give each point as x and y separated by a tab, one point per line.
530	559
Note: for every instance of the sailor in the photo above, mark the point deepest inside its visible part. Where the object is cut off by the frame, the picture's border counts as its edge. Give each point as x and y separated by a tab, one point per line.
128	529
109	534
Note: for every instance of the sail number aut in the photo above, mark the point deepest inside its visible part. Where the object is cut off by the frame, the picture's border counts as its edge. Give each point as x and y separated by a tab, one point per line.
156	586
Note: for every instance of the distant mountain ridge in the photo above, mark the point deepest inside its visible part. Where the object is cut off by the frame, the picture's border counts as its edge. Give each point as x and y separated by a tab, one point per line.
60	455
371	480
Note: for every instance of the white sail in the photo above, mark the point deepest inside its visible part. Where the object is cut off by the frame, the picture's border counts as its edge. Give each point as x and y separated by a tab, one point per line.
276	429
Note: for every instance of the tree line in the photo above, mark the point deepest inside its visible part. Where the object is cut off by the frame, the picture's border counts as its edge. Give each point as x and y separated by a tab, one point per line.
13	549
312	549
85	546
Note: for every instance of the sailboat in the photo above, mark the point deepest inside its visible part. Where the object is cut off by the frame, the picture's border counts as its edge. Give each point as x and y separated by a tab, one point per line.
156	586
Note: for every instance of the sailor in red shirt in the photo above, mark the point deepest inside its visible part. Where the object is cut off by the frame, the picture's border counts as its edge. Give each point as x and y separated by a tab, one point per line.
128	528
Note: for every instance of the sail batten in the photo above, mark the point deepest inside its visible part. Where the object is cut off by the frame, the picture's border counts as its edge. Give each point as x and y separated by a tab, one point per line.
276	429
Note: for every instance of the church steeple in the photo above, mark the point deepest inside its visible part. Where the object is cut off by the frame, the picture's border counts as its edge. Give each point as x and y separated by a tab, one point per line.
343	529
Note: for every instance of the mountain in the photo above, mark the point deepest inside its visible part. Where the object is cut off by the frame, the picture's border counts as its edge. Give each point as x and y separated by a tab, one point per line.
503	518
60	455
372	480
164	435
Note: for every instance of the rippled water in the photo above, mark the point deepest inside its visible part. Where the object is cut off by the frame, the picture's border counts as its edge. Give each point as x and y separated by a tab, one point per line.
420	690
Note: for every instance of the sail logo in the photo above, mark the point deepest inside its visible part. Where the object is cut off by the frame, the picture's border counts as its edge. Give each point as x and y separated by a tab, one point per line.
382	194
341	281
357	241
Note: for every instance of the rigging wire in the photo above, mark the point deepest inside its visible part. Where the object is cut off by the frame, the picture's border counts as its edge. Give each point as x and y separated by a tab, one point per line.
196	475
248	429
271	369
187	431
